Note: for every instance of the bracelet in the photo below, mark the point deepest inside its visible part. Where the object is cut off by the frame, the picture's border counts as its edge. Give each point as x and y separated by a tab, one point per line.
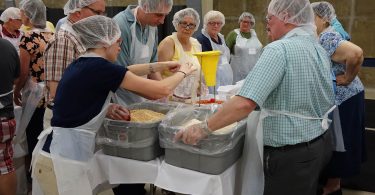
182	73
204	126
151	68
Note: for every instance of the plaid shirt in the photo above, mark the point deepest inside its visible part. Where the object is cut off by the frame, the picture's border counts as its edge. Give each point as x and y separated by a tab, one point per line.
62	50
293	75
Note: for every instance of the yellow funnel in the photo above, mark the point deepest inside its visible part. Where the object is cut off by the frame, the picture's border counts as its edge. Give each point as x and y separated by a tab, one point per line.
208	61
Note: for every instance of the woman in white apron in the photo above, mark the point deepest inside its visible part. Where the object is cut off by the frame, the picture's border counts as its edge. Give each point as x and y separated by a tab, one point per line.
212	39
62	159
180	46
245	47
9	30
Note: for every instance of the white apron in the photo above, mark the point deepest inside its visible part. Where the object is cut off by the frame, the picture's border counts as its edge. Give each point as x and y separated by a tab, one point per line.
252	156
140	54
72	150
187	89
224	73
246	54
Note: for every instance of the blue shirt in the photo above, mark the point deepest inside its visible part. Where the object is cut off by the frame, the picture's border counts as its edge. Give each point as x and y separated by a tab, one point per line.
330	41
205	42
83	89
125	19
292	75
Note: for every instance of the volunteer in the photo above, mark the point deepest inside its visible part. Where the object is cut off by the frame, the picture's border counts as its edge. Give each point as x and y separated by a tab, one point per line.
244	46
81	103
139	33
291	83
212	39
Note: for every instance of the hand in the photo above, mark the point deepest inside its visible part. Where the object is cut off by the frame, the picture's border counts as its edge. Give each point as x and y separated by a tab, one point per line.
191	135
188	68
342	80
172	66
117	112
17	97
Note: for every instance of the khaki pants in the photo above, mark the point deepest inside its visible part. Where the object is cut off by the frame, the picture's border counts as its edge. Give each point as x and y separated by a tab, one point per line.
45	175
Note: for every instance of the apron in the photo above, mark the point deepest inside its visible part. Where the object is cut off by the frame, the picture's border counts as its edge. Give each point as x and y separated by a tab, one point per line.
139	54
252	155
224	73
187	89
32	93
246	54
71	151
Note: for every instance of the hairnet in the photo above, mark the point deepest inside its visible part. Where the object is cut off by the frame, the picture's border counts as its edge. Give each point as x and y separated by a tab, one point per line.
35	10
10	13
156	6
297	12
179	16
75	5
97	31
211	15
324	10
249	15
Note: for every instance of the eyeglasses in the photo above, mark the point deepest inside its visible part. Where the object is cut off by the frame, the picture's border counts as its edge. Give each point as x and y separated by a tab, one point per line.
245	21
215	23
186	25
97	12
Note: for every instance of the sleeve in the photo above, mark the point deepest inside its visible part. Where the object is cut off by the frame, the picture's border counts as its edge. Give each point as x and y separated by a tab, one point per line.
330	41
205	42
58	55
154	57
113	75
265	77
231	41
124	55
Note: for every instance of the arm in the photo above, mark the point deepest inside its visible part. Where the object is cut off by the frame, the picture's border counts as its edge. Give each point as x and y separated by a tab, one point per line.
166	50
352	56
231	41
241	106
24	71
154	58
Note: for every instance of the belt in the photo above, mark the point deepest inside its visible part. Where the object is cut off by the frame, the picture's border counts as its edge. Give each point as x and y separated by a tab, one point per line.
295	146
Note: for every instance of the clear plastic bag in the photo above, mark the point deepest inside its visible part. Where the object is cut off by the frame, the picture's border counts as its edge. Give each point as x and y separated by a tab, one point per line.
213	144
126	134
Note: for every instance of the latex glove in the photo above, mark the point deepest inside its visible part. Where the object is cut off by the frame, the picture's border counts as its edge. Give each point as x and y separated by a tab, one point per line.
191	135
118	112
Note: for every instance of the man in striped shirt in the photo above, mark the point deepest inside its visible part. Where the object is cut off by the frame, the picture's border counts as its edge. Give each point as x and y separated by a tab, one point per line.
65	46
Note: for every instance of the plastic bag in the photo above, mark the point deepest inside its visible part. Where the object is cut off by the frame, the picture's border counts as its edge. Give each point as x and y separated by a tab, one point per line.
213	144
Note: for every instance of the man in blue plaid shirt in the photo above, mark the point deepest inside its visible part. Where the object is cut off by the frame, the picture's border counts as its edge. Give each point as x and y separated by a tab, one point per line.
292	82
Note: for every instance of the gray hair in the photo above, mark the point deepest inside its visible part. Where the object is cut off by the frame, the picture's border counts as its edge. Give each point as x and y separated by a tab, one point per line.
179	16
324	10
213	14
249	15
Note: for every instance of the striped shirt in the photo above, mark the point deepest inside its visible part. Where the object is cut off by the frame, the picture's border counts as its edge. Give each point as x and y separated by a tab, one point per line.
292	75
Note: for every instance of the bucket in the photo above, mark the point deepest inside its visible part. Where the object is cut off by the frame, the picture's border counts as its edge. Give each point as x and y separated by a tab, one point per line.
208	61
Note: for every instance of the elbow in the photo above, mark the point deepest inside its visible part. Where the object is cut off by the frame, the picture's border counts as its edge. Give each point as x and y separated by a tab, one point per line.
163	91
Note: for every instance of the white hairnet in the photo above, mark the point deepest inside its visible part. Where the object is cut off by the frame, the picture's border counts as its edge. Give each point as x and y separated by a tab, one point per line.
249	15
297	12
10	13
179	16
156	6
35	10
97	31
324	10
75	5
212	15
